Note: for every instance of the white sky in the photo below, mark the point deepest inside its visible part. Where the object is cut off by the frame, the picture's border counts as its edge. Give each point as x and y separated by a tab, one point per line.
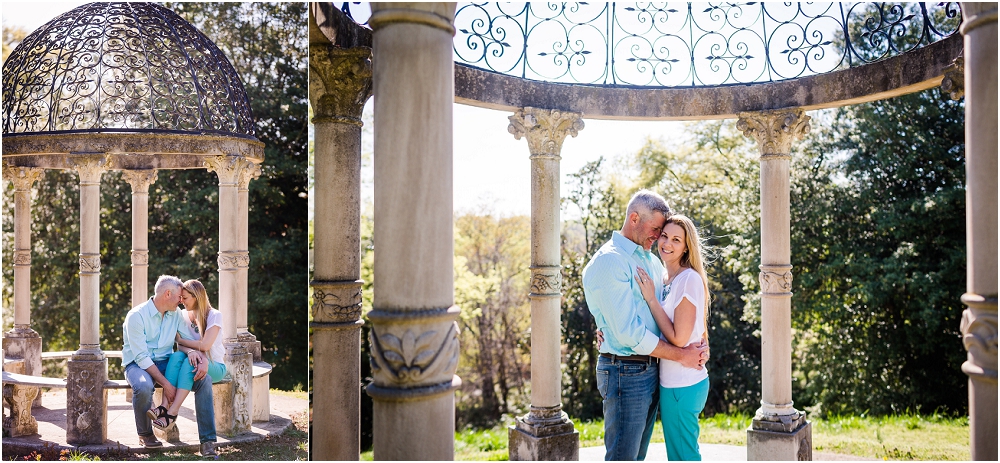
490	166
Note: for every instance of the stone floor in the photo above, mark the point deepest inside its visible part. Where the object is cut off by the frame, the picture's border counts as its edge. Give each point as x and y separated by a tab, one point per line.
51	418
710	452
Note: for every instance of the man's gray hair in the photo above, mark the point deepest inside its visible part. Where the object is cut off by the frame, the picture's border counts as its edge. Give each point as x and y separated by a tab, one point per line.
165	283
645	202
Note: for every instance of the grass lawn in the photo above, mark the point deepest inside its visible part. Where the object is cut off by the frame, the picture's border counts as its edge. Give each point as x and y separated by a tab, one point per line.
905	437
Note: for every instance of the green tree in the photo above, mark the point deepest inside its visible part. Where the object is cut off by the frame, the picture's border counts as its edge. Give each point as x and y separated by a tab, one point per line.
882	261
492	256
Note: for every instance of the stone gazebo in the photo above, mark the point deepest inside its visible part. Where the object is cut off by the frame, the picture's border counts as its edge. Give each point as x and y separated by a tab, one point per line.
136	88
420	58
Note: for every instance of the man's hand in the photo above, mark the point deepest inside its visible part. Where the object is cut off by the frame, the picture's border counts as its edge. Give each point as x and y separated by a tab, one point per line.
695	355
201	368
169	391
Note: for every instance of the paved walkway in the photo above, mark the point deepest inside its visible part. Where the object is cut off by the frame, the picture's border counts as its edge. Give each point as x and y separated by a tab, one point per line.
709	452
51	418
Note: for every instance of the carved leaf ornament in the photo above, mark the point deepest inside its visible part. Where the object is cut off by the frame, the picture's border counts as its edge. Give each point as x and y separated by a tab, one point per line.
413	358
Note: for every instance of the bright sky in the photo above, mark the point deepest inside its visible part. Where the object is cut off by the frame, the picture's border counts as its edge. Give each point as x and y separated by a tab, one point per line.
490	166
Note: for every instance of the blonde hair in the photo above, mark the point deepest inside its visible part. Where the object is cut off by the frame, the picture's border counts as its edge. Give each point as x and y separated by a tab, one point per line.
202	306
692	255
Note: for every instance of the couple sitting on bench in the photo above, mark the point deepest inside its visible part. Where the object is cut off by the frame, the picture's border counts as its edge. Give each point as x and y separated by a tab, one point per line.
149	333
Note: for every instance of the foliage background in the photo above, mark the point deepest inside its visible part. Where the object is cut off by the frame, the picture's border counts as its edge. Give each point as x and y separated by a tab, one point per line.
267	45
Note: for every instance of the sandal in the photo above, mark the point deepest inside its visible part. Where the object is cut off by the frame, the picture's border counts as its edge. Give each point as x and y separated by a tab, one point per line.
165	422
156	413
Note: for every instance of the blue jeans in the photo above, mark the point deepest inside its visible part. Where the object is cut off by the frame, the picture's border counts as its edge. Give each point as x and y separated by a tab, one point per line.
630	391
142	400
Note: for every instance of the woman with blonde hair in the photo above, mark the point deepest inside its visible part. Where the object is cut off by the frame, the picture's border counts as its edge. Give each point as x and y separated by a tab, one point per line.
200	329
681	313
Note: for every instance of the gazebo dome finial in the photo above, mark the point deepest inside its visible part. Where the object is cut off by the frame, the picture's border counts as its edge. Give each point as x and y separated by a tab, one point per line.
122	67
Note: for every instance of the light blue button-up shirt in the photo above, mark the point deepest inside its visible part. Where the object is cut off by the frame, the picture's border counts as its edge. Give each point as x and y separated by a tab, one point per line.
147	335
611	287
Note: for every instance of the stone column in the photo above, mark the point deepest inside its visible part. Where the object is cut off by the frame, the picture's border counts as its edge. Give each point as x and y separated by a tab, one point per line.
243	333
779	431
86	399
235	172
22	342
340	84
140	180
545	433
414	337
979	321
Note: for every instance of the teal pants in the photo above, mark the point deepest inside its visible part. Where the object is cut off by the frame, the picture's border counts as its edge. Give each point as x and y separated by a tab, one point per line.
180	373
679	410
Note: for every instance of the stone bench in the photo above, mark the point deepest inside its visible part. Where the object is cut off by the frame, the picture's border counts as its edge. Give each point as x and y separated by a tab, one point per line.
19	391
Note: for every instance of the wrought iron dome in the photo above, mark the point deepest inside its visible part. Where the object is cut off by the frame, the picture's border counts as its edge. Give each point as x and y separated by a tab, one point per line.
122	67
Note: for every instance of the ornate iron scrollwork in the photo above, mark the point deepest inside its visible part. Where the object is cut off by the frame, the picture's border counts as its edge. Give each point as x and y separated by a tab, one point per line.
682	44
124	67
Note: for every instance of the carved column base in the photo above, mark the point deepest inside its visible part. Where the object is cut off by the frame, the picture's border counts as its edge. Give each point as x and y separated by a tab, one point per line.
234	417
251	344
781	438
19	399
86	402
25	344
979	334
543	434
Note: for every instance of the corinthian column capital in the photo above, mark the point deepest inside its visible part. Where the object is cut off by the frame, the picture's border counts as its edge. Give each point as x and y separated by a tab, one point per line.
545	129
233	170
953	83
774	131
22	177
139	179
341	83
90	168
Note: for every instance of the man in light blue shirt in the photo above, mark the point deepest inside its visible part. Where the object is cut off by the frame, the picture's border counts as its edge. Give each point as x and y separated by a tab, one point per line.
627	370
148	335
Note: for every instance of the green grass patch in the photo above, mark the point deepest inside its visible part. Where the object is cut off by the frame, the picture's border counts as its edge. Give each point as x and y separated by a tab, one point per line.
902	437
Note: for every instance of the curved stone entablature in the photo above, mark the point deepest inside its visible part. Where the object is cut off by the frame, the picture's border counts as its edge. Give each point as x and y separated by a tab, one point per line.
132	150
913	71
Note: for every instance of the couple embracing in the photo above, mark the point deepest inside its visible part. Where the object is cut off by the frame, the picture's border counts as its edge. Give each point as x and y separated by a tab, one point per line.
652	319
149	333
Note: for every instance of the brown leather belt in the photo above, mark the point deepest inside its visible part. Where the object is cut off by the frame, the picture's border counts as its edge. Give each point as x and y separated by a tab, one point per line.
628	358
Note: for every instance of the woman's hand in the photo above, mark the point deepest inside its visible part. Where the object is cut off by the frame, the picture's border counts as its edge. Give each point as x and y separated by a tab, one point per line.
600	339
646	285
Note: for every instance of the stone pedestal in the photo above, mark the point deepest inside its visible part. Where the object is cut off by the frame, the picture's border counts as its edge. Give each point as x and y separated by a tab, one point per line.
780	441
776	432
556	440
25	344
237	405
86	399
546	433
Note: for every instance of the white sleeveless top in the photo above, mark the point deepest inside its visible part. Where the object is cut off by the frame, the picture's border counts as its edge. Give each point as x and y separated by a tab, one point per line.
189	331
686	285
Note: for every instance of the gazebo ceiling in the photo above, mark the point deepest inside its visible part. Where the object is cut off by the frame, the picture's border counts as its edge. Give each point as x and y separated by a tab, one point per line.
683	61
123	78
